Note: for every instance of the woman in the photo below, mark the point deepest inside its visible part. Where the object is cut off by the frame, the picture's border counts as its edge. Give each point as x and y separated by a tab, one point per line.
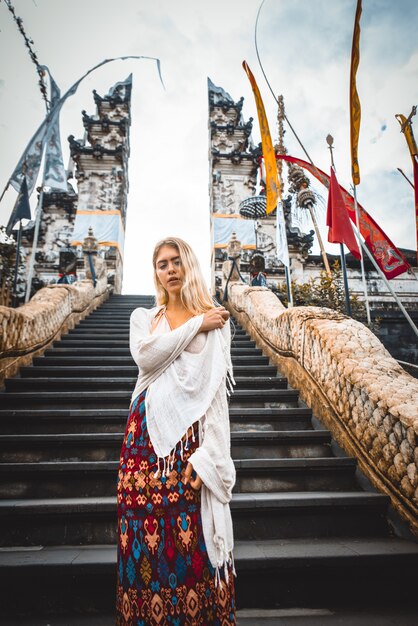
175	538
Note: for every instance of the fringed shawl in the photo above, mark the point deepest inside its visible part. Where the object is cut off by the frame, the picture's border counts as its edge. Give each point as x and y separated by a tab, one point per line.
184	387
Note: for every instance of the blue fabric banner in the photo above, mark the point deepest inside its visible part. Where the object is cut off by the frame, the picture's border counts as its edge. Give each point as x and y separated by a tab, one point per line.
107	228
223	227
55	175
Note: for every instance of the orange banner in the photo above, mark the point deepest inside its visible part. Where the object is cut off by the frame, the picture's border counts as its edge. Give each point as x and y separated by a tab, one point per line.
273	191
355	109
415	163
406	128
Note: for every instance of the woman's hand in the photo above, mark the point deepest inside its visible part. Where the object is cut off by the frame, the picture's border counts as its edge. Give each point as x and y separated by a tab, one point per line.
197	482
215	318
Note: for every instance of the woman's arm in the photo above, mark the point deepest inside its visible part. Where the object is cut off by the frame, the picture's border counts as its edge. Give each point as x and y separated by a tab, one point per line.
154	351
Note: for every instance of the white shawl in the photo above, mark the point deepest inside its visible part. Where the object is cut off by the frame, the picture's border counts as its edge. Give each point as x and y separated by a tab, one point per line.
183	387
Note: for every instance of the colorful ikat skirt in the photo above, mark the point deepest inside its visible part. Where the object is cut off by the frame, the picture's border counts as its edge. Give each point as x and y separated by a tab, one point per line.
164	576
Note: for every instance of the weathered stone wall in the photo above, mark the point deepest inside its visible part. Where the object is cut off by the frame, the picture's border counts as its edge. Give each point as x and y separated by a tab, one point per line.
345	374
29	330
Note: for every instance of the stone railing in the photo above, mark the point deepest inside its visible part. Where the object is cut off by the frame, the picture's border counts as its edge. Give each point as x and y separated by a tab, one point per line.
29	330
348	378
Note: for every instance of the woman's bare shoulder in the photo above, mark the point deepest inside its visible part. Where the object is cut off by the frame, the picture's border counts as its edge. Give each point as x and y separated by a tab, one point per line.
144	313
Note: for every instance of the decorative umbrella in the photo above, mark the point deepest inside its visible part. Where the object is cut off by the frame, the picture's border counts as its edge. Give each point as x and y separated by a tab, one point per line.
253	208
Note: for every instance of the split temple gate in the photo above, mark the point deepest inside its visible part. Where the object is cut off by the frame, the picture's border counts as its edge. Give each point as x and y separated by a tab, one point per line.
324	422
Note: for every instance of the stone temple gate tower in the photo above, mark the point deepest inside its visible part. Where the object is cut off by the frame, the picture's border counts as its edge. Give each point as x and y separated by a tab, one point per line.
234	164
100	166
102	176
233	171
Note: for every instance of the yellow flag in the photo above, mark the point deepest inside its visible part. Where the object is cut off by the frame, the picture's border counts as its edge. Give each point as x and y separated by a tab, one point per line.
272	180
409	135
355	109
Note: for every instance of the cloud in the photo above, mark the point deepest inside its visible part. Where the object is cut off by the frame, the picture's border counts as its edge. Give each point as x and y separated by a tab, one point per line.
305	49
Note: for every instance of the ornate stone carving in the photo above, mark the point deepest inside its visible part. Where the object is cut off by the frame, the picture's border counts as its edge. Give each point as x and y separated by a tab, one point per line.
112	139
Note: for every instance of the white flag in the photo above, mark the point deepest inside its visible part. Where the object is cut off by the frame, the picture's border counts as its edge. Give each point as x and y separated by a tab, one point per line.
282	250
55	175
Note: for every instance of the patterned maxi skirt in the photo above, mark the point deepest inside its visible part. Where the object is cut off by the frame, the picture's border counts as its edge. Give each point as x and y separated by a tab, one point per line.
164	576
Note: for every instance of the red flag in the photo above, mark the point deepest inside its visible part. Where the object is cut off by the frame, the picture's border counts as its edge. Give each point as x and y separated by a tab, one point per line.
340	229
390	260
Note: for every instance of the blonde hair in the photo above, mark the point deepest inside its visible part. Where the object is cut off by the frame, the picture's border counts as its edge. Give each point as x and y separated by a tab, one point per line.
194	293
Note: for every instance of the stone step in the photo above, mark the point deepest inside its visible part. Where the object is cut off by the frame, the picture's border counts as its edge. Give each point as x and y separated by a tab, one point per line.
302	474
124	301
121	301
123	307
122	335
82	383
372	615
120	306
89	326
256	516
126	371
117	314
98	478
121	399
258	419
281	445
62	420
58	360
107	446
93	342
342	571
117	306
289	573
124	351
113	311
98	420
122	326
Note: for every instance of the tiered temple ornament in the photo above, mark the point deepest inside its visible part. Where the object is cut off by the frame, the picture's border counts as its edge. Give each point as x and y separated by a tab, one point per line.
299	185
90	248
231	267
90	243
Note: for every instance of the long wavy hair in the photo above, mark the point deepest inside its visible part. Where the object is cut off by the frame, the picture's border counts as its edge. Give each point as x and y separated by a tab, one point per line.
194	293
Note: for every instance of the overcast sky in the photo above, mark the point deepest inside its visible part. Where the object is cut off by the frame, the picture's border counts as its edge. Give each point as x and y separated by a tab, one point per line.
305	46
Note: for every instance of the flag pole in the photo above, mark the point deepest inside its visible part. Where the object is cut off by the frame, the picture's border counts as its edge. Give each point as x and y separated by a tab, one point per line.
330	142
363	273
4	190
281	237
19	239
355	119
394	294
309	205
38	214
289	287
281	148
406	177
344	269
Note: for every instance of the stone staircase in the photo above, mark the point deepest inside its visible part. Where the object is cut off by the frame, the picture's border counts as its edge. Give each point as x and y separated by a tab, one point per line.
307	534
